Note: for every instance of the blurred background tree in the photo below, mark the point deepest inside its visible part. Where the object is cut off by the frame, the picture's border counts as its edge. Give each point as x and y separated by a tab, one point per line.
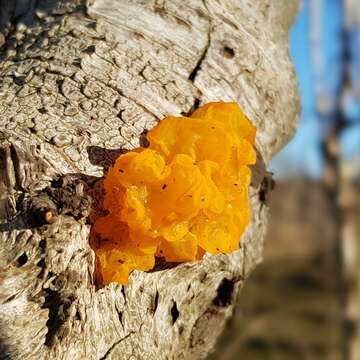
311	307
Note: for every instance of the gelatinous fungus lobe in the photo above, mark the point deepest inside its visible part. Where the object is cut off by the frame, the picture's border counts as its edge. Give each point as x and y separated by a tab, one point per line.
183	195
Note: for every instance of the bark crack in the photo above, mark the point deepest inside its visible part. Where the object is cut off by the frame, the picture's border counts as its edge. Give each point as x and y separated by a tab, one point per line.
17	167
197	67
115	344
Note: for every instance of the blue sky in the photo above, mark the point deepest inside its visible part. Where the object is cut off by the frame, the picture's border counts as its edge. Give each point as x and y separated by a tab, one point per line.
319	67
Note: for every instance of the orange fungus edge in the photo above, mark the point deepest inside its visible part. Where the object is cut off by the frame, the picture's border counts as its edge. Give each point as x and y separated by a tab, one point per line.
184	195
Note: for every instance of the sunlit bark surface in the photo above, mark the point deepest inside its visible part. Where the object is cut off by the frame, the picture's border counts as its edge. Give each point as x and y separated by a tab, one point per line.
79	82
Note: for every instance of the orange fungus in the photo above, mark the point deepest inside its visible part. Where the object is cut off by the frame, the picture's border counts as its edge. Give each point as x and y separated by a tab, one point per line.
184	195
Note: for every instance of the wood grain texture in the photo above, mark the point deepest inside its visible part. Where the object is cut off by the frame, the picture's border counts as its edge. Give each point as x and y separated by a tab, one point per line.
79	83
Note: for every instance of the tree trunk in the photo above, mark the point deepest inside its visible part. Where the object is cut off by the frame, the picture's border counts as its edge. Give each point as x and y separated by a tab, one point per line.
81	81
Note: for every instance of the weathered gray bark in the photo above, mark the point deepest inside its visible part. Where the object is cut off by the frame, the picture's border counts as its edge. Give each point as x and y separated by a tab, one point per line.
77	84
